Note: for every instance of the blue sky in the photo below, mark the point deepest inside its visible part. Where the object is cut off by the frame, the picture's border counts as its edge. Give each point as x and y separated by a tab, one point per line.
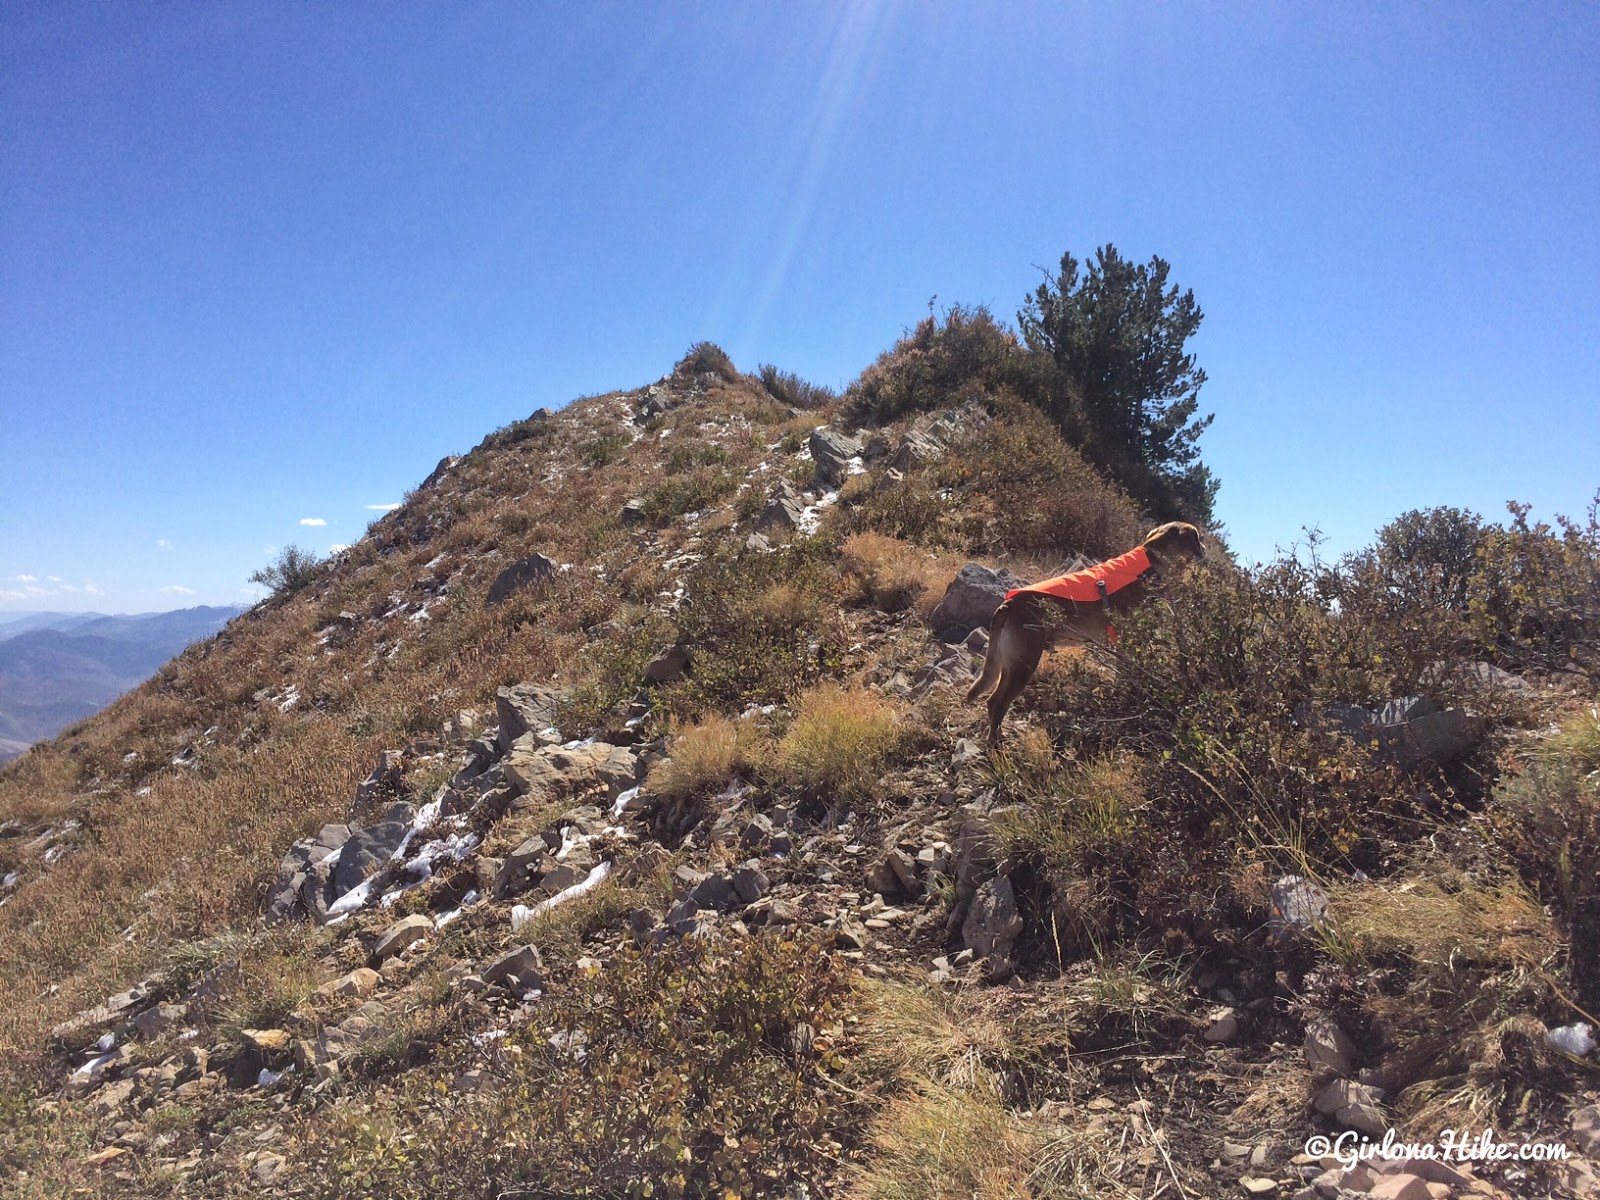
264	264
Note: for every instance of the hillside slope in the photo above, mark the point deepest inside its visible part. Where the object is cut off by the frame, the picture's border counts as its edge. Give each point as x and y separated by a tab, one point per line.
608	822
57	668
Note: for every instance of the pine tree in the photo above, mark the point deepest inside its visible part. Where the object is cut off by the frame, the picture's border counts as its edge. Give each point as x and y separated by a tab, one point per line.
1124	389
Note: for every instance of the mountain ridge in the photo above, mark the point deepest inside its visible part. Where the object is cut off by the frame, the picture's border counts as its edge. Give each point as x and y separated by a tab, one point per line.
608	818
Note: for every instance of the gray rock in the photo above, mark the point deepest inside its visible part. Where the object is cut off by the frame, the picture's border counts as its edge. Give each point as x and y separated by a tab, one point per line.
1586	1128
545	773
524	867
386	780
715	892
1328	1051
1341	1093
525	708
301	886
440	471
669	665
783	511
967	751
657	400
975	853
756	544
916	449
153	1022
1298	905
400	935
1408	731
905	870
832	452
757	832
993	921
682	918
522	965
751	883
523	573
971	599
633	512
368	849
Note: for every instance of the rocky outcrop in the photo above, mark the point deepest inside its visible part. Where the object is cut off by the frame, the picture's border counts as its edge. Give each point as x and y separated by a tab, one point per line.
832	451
524	573
970	601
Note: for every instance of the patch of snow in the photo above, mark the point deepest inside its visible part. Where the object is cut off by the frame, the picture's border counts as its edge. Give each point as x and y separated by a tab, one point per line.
91	1070
490	1037
467	902
107	1041
621	806
521	914
354	900
1576	1040
268	1078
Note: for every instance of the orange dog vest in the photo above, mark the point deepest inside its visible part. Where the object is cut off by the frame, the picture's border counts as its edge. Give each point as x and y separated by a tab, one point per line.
1082	587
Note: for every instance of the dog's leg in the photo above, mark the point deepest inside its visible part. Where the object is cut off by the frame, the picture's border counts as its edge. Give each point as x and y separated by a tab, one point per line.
1018	655
991	656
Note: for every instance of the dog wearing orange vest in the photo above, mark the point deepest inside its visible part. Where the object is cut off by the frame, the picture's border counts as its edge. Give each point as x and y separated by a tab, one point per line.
1073	608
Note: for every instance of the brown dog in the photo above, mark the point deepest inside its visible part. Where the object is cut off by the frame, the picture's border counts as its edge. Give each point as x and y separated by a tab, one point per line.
1072	608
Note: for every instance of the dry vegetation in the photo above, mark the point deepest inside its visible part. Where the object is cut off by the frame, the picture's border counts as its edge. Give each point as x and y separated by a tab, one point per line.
1142	814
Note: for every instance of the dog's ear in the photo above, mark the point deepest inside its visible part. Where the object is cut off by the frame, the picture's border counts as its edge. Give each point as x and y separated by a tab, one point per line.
1175	539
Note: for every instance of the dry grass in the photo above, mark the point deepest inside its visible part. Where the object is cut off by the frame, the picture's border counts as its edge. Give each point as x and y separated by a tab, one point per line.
894	574
939	1143
705	756
840	740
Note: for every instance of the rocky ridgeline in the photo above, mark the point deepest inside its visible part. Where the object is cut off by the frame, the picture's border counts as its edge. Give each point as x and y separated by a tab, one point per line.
926	891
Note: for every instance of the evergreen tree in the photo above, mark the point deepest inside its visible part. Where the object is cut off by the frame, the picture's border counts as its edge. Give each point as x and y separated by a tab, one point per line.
1123	387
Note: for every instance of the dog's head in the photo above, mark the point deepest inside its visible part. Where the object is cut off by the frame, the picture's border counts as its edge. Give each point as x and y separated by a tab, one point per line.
1174	542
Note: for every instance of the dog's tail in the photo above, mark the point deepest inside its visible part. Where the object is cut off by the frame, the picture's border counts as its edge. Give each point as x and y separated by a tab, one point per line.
991	658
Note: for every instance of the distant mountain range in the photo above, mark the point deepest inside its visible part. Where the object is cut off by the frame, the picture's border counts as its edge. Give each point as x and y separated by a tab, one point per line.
57	668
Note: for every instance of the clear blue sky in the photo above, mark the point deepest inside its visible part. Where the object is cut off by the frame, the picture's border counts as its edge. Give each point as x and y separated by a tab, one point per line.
266	263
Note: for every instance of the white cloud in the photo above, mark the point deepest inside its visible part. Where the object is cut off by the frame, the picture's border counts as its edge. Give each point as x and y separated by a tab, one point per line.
382	507
178	589
27	579
53	578
65	587
163	543
92	589
312	521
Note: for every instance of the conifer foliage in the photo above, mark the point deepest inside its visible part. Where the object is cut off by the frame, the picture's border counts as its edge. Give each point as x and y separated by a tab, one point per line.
1123	387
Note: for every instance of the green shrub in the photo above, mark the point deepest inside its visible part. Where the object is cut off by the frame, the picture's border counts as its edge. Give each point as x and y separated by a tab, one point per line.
292	570
1037	495
694	491
686	457
1548	816
788	388
706	358
603	450
1535	596
763	628
938	364
674	1073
